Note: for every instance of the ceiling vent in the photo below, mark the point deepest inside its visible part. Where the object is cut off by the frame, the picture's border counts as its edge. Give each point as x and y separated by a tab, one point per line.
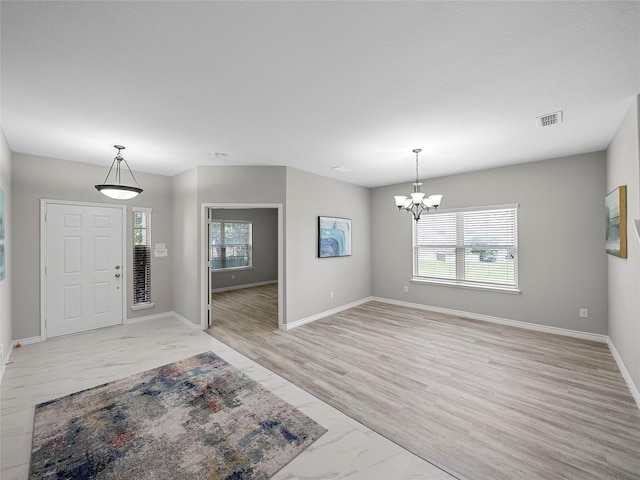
549	119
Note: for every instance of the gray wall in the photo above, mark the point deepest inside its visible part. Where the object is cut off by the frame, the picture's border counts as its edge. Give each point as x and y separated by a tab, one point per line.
239	185
186	295
6	335
308	279
623	168
214	185
264	249
560	206
562	264
311	279
35	178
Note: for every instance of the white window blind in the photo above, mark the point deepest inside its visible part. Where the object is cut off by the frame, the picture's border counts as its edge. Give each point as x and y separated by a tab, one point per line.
141	255
475	247
230	244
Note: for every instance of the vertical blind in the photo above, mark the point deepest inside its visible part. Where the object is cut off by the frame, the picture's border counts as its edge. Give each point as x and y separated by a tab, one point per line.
475	247
141	256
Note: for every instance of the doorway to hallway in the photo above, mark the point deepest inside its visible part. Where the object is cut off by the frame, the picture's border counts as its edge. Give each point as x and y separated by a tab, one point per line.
232	264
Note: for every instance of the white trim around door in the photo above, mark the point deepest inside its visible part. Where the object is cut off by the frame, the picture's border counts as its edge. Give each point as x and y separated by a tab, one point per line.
43	248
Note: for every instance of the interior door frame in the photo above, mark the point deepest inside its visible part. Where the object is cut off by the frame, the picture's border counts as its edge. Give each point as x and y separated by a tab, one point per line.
204	255
43	260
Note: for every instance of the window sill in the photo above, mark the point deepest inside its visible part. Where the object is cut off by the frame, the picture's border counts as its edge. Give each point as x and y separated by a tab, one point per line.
142	306
232	269
489	288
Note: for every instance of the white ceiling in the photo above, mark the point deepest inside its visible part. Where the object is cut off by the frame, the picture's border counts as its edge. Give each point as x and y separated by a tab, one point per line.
314	85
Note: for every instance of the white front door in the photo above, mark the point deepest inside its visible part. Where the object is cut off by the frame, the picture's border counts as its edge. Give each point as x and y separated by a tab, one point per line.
83	265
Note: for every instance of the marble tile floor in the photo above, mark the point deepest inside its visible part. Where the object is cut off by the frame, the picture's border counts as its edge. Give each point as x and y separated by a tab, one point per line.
61	366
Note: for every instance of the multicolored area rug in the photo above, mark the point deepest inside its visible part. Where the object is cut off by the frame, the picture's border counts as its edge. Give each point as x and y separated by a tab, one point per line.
199	418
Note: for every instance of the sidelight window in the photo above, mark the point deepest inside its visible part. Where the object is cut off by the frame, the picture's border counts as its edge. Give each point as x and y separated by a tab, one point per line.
141	256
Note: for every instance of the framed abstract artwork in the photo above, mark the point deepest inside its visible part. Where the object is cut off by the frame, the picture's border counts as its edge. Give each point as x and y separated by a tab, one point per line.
334	237
616	216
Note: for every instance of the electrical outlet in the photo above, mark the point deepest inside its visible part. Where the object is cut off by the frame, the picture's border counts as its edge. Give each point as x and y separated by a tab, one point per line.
233	276
406	289
584	313
330	294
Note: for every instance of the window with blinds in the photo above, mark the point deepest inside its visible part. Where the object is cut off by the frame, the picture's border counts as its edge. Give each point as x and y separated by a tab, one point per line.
230	244
141	255
474	247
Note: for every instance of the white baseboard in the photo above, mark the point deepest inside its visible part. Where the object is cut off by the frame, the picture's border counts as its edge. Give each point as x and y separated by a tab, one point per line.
503	321
24	341
459	313
326	313
5	362
147	318
28	341
186	321
246	285
157	316
625	373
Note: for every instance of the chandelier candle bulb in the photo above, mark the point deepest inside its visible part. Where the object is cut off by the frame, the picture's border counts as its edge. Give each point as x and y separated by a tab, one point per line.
400	199
417	197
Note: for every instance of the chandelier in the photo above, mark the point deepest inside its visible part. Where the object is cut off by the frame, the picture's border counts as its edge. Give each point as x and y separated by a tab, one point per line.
116	190
417	202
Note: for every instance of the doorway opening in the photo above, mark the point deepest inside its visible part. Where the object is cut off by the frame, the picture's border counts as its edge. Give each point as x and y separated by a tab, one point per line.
242	265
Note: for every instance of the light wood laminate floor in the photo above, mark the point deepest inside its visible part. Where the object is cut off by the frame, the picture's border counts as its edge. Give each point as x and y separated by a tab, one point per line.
484	401
64	365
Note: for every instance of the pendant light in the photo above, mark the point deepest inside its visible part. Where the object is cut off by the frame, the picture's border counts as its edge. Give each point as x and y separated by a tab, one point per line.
117	190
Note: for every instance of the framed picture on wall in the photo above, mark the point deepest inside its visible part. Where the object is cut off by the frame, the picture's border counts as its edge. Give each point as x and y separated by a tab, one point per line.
334	237
616	215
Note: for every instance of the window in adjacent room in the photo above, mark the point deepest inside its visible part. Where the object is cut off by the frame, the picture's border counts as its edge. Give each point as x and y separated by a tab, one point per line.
230	244
141	257
468	247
